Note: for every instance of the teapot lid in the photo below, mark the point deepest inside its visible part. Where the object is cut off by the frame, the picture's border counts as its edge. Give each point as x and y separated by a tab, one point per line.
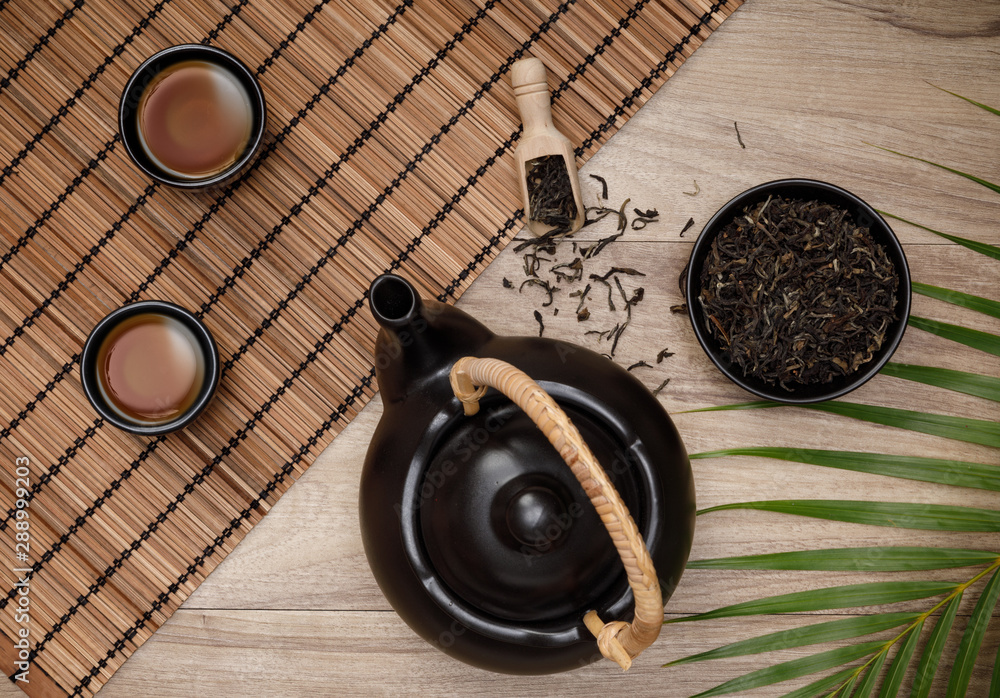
506	527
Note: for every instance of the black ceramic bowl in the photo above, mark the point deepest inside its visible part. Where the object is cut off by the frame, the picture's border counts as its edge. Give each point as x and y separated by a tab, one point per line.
864	215
206	346
128	124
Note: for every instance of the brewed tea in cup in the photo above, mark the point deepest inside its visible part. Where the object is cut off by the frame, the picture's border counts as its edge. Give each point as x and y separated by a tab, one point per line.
194	119
192	116
150	367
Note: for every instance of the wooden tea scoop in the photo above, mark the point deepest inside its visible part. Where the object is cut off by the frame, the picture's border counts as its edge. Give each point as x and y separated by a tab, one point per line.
547	198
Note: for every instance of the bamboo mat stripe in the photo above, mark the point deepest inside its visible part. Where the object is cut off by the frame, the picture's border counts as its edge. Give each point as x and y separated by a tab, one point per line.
124	546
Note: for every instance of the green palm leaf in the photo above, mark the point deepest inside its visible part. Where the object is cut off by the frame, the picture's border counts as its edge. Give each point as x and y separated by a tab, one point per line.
977	431
893	680
972	638
995	681
929	517
829	631
970	101
868	682
848	688
977	180
874	559
965	300
932	651
849	596
980	247
820	685
794	668
977	339
960	381
937	470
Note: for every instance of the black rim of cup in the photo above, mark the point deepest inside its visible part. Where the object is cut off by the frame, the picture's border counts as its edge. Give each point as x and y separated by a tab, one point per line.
128	126
863	214
88	366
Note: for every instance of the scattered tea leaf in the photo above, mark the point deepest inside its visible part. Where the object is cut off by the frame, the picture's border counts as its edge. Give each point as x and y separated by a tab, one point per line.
583	315
687	226
648	213
575	271
628	271
593	250
532	263
682	308
663	355
696	189
604	185
545	285
739	138
661	386
582	294
638	364
507	283
545	242
601	333
541	325
622	218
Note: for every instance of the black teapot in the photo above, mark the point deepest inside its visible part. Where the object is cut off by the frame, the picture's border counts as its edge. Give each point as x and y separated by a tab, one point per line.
480	536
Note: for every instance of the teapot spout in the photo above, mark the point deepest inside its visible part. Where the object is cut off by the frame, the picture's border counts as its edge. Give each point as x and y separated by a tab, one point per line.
395	304
419	339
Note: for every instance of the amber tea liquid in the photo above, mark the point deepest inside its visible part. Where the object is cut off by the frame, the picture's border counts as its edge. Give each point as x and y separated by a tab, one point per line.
194	119
150	368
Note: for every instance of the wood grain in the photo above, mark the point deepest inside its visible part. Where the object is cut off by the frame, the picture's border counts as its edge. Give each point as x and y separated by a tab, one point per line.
295	611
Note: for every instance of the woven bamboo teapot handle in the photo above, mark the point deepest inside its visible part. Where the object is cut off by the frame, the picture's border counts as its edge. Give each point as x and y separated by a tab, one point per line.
617	640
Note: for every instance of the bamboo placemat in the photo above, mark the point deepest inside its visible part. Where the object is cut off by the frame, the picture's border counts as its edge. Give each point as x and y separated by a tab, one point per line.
391	133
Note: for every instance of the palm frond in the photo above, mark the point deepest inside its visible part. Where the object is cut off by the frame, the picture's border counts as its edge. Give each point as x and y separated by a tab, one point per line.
871	677
928	517
901	662
980	247
977	339
977	431
970	101
795	668
959	381
972	638
937	470
931	656
820	685
977	180
965	300
870	559
830	631
848	596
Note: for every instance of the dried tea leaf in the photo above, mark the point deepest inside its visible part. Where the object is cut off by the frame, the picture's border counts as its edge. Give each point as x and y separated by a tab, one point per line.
545	285
604	185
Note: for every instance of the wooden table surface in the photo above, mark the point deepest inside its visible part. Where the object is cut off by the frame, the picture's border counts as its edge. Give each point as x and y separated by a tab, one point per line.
295	611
